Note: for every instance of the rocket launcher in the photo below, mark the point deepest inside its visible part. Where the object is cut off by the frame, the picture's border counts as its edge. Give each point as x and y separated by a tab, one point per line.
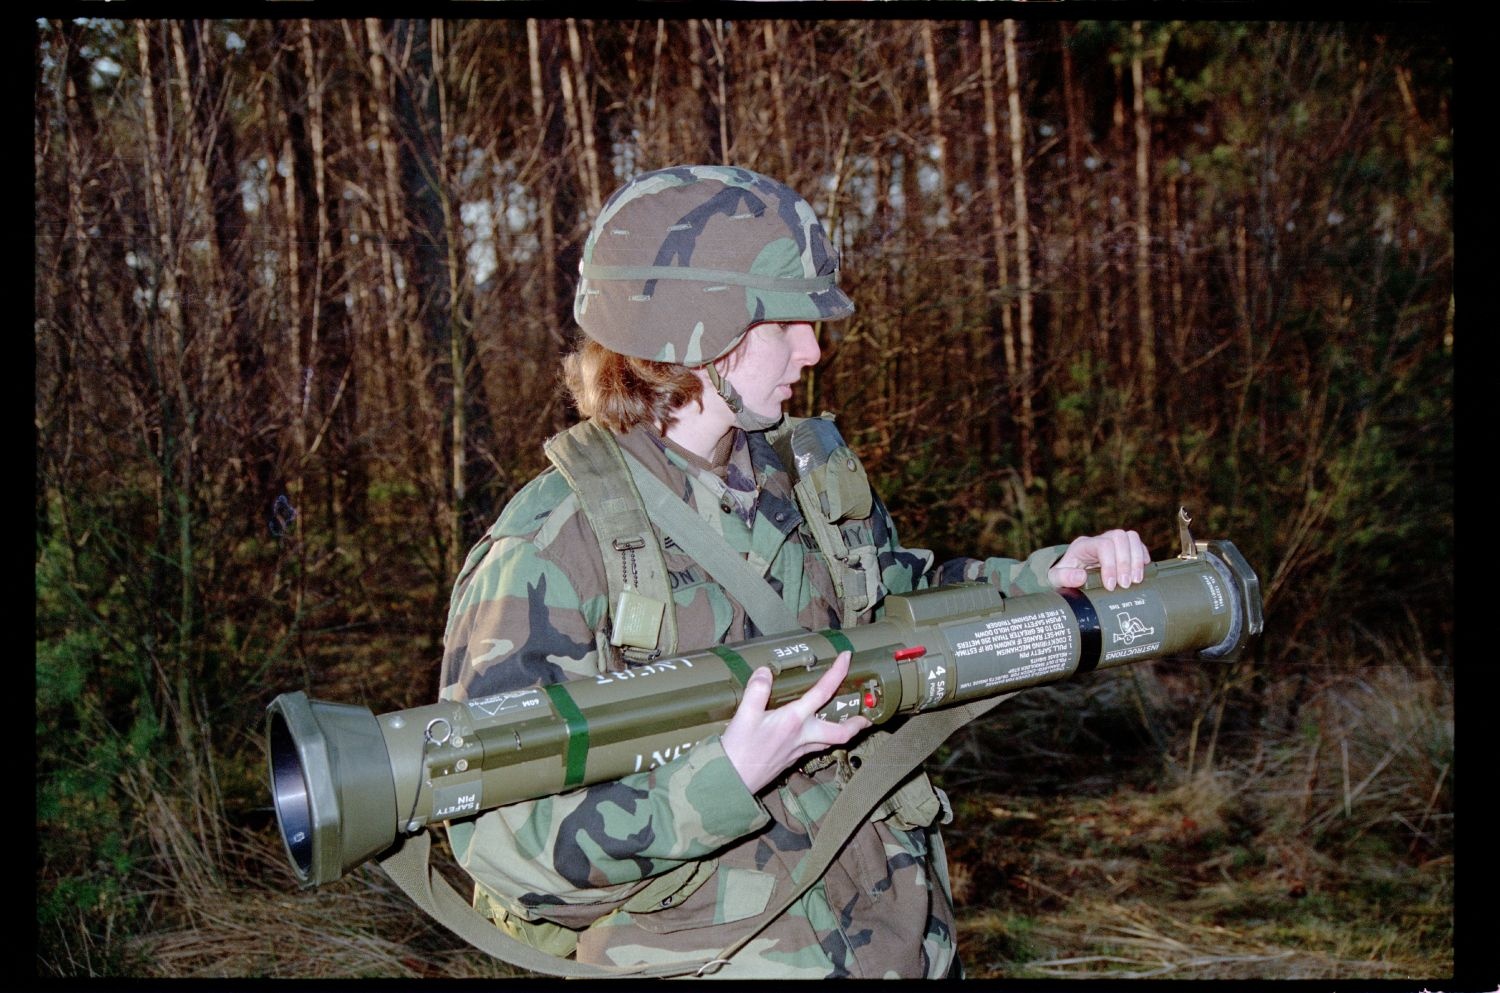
348	785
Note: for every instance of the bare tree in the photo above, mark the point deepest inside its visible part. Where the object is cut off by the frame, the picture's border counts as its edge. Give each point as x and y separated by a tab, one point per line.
1145	321
1013	368
1027	371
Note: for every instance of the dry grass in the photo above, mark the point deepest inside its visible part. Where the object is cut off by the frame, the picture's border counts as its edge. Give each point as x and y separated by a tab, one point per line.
1137	941
1321	851
255	922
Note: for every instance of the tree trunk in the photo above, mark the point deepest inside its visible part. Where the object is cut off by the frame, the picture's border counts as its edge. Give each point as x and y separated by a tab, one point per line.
395	304
176	448
775	34
1023	253
1078	253
721	60
331	336
1002	292
458	331
1146	368
558	202
935	121
1112	275
425	261
546	209
579	101
246	376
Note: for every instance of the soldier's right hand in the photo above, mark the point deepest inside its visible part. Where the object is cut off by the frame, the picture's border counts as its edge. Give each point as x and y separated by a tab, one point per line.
761	743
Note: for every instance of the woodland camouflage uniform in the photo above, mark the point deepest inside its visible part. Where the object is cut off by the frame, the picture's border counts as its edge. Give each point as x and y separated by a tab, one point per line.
524	613
675	863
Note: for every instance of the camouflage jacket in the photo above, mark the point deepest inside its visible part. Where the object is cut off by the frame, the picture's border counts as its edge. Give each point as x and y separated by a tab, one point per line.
524	612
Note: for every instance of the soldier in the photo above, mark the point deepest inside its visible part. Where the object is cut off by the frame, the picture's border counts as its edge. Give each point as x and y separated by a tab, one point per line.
698	289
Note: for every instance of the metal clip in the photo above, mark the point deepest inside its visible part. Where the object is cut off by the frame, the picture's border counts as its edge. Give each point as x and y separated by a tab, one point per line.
1189	549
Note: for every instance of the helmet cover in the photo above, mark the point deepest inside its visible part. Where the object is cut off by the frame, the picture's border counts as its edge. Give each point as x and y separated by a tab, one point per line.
681	262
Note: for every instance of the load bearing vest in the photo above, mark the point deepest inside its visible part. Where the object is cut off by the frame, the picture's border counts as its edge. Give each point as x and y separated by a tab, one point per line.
621	501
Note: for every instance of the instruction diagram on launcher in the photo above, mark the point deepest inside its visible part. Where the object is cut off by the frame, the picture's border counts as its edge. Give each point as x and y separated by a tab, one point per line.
1136	629
1131	628
1018	650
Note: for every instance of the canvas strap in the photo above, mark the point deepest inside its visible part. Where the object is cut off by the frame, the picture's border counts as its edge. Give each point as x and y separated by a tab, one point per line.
764	605
883	768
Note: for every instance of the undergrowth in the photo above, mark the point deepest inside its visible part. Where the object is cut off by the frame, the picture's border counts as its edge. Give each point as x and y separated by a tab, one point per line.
1316	846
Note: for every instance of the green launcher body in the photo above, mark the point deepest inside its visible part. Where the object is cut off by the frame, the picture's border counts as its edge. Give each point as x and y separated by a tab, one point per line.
348	784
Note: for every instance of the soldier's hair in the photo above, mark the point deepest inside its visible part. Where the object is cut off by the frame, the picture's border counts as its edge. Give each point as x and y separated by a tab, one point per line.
622	391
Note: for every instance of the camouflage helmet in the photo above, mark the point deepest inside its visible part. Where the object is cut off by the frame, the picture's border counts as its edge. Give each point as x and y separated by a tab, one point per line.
682	261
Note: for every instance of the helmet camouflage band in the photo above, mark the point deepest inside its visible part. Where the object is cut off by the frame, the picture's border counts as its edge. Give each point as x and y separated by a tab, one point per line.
682	261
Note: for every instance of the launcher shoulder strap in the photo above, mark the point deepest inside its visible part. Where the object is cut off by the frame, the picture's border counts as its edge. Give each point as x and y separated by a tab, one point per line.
643	623
885	765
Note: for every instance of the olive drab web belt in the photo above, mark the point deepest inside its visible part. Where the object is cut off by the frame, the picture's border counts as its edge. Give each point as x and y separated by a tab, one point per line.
884	765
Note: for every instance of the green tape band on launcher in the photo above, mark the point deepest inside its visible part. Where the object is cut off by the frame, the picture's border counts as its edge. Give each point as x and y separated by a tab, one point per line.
738	667
577	752
839	642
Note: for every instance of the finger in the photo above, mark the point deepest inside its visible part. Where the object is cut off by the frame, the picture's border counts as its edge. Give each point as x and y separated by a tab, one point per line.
827	685
1104	550
1066	572
1071	570
757	693
824	734
1124	546
1140	555
743	731
1129	547
1067	577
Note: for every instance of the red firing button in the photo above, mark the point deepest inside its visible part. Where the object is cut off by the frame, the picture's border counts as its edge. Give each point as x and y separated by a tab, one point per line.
871	699
914	652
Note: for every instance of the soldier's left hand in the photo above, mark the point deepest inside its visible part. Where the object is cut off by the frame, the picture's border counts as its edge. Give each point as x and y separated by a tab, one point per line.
1120	556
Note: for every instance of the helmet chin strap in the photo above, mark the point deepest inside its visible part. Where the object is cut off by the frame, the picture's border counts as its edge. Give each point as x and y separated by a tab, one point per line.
743	416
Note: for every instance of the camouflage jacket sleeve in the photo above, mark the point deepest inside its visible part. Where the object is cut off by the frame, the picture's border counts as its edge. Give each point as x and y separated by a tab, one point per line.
903	570
1015	577
522	614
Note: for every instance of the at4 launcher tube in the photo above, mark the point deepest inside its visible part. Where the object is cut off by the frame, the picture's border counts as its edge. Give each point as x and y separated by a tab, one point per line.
347	783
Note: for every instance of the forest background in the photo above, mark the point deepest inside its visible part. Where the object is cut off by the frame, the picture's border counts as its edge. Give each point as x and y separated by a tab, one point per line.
302	286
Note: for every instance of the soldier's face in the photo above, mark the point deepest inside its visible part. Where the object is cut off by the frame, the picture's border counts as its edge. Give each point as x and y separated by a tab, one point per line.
768	363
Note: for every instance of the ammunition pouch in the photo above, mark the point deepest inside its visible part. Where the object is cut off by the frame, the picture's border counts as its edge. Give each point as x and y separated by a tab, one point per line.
666	890
544	936
915	803
834	493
